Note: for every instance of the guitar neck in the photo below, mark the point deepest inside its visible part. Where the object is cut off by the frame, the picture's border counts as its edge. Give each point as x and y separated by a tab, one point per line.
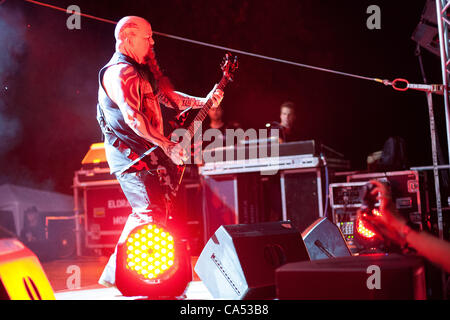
203	112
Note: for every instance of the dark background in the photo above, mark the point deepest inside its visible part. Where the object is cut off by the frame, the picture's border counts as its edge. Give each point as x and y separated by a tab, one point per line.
48	75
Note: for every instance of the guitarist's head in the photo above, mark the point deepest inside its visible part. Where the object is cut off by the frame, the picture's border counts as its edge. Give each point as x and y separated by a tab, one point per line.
134	38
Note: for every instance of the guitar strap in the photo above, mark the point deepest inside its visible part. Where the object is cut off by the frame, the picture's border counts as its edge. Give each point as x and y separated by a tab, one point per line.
102	122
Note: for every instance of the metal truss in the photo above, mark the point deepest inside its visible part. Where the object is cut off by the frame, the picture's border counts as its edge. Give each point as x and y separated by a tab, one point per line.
442	12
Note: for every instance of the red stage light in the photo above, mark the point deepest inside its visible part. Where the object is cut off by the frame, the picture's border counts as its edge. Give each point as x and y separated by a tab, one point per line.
153	262
363	230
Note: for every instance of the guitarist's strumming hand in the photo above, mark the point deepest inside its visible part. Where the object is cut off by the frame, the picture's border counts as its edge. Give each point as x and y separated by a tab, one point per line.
175	151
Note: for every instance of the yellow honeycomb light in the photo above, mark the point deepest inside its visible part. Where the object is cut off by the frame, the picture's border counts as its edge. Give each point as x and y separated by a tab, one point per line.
150	259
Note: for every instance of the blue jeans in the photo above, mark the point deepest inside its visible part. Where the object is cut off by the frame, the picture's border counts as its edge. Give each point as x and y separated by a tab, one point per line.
143	191
146	197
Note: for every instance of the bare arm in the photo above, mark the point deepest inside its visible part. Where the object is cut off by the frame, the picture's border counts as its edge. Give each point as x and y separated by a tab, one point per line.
185	101
431	247
394	227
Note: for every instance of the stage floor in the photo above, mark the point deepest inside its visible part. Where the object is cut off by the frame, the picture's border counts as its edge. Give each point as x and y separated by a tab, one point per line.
194	291
76	279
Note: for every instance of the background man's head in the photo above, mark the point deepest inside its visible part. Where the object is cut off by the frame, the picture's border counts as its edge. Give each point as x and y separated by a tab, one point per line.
134	38
287	114
215	114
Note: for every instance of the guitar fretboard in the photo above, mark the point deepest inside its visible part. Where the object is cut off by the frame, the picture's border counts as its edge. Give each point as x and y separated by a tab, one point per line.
201	115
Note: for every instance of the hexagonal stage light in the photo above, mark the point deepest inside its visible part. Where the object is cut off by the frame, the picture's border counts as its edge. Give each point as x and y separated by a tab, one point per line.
153	262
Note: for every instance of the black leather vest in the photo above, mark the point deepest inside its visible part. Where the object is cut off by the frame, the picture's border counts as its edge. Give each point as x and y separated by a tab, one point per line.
122	144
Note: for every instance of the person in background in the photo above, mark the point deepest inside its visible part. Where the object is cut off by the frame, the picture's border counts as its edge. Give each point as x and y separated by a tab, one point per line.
33	231
33	235
289	130
217	121
393	156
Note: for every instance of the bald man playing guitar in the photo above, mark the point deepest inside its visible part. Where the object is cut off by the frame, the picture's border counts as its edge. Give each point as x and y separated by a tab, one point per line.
131	91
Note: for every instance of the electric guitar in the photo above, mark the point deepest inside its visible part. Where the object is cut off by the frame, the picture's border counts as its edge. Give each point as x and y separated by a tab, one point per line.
170	175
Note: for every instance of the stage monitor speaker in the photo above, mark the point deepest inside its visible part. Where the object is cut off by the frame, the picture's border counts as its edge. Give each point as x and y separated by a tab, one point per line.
239	261
375	277
324	240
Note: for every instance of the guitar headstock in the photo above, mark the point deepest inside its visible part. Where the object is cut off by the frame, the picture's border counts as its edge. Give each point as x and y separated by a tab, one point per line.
229	66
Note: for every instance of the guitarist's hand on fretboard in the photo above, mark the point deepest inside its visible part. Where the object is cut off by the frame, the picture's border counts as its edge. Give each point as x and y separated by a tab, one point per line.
216	95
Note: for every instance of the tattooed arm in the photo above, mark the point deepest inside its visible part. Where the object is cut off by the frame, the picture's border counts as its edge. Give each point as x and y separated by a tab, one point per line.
121	82
185	101
196	102
181	100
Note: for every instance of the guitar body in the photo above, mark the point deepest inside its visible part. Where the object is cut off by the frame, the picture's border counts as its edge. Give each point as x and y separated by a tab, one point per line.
170	175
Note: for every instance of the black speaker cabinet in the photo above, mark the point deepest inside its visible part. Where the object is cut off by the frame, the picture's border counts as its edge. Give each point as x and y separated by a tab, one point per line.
239	261
301	196
233	199
245	198
7	221
324	240
376	277
61	235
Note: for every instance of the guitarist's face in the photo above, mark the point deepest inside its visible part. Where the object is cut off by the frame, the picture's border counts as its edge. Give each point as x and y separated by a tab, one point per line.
143	43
